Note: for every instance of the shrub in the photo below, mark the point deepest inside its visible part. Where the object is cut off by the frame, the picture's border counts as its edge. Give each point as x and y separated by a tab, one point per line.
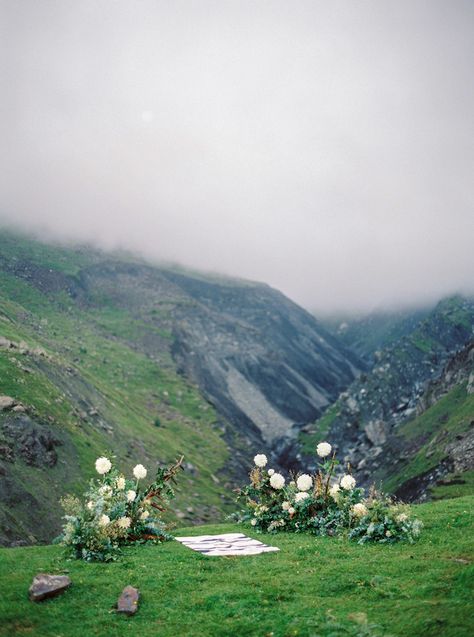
322	504
117	511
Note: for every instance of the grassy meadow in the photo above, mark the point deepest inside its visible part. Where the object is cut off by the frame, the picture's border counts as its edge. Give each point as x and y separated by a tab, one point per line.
326	587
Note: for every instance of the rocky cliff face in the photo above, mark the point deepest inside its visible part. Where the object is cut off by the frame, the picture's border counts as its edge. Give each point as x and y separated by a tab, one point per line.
372	422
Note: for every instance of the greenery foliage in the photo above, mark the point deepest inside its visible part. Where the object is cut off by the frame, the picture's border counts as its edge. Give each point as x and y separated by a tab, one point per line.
322	505
117	511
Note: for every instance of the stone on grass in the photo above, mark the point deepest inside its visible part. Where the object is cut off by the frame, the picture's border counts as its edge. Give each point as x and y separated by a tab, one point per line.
128	601
6	402
45	586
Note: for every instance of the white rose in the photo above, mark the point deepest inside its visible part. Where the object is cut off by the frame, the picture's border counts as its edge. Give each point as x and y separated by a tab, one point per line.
271	472
139	471
301	495
260	460
277	481
103	465
121	483
359	510
347	482
104	520
304	482
334	491
144	515
131	495
323	449
124	522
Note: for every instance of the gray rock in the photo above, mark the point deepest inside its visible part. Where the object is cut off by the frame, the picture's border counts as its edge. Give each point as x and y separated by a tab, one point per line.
4	342
376	432
6	402
128	601
45	586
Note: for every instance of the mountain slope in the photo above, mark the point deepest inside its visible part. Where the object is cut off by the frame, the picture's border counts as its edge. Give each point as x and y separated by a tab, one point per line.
374	423
105	352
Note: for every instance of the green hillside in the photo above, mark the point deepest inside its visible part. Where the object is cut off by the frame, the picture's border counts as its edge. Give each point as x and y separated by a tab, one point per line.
79	373
313	587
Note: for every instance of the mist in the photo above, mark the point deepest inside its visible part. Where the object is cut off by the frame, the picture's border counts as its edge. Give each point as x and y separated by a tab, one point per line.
325	148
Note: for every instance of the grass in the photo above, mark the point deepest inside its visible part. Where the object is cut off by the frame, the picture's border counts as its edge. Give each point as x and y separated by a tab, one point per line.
313	587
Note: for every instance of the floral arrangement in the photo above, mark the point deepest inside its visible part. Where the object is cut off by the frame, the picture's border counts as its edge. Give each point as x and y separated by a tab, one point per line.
117	511
322	504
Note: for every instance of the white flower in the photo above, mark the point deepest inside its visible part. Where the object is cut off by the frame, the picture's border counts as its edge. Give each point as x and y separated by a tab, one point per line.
301	495
359	510
90	505
334	491
121	483
103	465
124	522
260	460
253	521
304	482
105	490
131	495
139	471
285	506
388	533
323	449
277	481
292	483
347	482
291	510
403	517
104	520
144	515
271	472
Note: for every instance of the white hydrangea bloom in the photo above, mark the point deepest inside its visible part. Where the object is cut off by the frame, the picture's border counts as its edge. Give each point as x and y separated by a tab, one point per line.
104	520
334	491
121	483
139	471
260	460
359	510
347	482
323	449
304	482
285	506
277	481
131	495
103	465
271	472
301	495
124	522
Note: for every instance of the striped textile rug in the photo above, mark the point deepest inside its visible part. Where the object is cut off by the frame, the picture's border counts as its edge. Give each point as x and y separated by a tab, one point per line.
226	544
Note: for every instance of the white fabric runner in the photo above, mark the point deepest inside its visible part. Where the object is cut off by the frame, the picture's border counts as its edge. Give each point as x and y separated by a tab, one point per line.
226	544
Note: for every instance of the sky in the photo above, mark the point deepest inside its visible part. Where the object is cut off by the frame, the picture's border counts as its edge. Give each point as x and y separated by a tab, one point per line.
323	147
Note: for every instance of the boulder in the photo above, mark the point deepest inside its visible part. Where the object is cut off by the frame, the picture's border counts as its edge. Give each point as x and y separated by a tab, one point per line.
45	586
128	601
6	402
376	432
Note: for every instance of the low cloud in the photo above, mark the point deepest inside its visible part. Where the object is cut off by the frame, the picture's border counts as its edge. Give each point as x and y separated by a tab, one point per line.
322	147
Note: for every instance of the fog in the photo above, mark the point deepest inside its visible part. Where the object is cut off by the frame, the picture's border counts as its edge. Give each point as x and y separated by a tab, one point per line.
325	148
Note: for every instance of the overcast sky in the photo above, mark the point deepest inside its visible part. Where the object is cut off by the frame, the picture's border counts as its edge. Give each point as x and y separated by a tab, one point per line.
325	147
